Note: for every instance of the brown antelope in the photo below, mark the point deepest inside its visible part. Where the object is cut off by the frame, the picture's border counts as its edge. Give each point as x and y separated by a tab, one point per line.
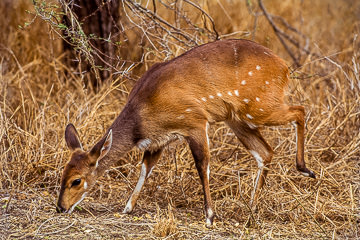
238	82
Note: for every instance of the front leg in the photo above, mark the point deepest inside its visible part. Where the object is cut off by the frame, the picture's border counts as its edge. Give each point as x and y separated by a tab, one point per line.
198	142
149	161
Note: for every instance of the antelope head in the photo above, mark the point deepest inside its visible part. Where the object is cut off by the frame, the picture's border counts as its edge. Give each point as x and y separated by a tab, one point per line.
80	172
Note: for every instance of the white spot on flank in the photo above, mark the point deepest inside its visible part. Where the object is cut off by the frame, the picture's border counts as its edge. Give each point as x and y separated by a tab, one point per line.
249	116
219	94
246	100
236	92
211	97
258	158
266	82
243	82
204	99
85	185
181	117
261	109
188	110
257	99
229	93
250	73
258	67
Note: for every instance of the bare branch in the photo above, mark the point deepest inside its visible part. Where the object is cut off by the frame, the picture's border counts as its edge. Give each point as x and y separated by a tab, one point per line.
205	13
278	33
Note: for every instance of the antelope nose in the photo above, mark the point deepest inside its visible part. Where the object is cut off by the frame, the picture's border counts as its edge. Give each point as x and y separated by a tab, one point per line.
60	209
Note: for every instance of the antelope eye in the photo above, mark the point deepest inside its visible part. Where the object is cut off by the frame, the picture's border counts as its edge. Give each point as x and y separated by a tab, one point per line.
76	182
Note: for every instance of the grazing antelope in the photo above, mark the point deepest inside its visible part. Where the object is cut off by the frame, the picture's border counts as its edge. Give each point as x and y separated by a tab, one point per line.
238	82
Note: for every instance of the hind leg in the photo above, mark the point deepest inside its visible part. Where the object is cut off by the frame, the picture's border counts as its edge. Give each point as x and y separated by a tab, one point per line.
199	145
257	146
295	115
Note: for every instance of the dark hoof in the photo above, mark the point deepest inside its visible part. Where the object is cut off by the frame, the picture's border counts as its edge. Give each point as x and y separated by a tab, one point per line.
312	175
308	173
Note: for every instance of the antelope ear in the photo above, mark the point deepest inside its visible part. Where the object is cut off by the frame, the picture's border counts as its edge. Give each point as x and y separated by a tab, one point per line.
72	137
101	148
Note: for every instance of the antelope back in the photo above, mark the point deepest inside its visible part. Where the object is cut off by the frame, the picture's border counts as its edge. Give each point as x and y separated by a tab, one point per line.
213	82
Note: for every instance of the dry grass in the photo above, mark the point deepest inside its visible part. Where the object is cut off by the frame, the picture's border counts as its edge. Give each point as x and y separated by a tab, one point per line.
39	96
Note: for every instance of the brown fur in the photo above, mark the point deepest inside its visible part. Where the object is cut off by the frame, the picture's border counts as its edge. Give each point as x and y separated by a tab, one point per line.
179	97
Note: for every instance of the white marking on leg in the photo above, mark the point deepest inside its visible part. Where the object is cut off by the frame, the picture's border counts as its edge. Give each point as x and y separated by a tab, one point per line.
257	99
267	53
73	206
210	212
208	171
305	174
258	67
251	125
210	215
144	143
129	205
243	82
204	99
206	131
208	222
250	73
258	158
229	93
246	100
219	94
236	92
85	185
211	96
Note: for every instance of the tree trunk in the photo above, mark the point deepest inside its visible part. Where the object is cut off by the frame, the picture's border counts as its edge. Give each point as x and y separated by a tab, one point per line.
99	19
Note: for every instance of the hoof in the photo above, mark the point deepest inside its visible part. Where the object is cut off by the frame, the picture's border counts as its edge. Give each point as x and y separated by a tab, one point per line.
127	210
308	173
209	223
312	175
305	172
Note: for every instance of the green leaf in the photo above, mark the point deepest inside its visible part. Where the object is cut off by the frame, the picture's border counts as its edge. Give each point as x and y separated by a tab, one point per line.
62	26
78	208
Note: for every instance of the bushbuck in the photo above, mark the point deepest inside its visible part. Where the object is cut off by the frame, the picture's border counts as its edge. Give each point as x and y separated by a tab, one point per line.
238	82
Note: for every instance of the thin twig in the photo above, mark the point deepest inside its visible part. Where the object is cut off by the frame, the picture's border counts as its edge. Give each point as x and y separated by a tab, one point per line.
207	15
